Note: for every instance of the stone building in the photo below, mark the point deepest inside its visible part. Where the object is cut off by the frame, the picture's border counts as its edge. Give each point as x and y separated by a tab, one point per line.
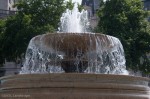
10	68
7	5
147	6
7	8
92	6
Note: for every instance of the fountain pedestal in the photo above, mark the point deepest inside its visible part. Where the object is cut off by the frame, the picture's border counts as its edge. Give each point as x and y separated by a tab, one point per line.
74	86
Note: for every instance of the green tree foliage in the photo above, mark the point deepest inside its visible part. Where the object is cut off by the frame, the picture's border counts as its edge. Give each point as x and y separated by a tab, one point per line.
33	17
42	12
2	29
70	5
126	20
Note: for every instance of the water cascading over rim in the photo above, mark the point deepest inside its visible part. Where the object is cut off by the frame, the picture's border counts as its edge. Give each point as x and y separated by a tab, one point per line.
74	52
73	49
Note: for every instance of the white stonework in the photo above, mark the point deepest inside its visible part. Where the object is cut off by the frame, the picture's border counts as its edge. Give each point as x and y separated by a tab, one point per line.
7	5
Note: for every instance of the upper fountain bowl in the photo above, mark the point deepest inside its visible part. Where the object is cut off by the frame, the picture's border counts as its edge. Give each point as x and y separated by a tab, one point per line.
74	52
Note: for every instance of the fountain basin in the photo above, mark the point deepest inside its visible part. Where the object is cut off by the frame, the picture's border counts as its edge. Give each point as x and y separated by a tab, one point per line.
74	86
74	52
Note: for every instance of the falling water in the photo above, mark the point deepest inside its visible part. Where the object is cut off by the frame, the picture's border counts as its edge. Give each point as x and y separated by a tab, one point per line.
74	50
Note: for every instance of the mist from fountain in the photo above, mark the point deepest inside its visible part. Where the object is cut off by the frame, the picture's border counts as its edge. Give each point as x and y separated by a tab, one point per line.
73	49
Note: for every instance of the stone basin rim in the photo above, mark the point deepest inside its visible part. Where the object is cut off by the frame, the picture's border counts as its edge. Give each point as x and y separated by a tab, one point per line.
112	76
73	33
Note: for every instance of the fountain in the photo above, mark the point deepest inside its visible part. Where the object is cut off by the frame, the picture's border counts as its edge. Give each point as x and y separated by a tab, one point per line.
76	65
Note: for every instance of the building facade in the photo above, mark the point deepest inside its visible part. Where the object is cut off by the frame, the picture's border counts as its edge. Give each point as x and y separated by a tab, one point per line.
7	5
7	8
10	68
92	6
147	6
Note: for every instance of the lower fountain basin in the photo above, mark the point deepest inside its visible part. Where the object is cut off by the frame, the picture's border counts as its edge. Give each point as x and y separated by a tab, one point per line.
74	86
